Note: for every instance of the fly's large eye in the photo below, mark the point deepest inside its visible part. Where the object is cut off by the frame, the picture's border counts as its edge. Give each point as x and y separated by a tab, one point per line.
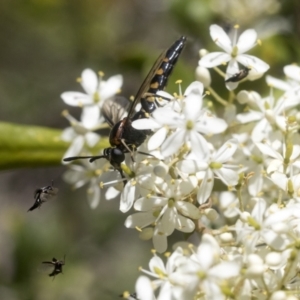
117	155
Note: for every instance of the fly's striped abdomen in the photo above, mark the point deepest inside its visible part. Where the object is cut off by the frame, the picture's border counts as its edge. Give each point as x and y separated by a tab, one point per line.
164	69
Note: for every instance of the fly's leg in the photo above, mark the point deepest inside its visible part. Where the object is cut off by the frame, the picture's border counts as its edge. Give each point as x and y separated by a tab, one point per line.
127	147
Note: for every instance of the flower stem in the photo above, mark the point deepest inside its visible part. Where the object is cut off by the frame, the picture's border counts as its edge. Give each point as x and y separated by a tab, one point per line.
217	97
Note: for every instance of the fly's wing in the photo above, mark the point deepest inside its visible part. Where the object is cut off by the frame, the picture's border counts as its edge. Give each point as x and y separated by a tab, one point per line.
146	83
46	267
115	109
48	192
150	84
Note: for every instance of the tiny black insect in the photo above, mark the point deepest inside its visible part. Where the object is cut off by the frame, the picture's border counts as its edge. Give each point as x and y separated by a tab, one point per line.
57	266
128	296
123	137
240	75
42	195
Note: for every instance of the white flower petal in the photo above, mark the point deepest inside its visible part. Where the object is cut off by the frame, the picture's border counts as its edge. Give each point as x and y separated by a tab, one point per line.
74	148
246	41
111	87
68	134
90	116
255	183
199	145
173	143
249	116
156	263
192	108
143	124
143	288
206	253
268	150
225	270
231	85
220	37
184	224
159	240
209	125
261	130
228	176
127	197
167	116
89	81
277	83
280	180
152	203
190	166
253	62
293	72
226	151
92	139
111	193
157	138
195	88
188	209
93	194
76	98
140	220
168	221
214	59
166	292
205	187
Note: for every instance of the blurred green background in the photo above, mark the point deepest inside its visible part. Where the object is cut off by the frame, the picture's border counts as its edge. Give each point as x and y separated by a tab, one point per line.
45	44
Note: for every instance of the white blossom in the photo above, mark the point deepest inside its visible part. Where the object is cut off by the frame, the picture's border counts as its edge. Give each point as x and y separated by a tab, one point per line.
97	91
234	53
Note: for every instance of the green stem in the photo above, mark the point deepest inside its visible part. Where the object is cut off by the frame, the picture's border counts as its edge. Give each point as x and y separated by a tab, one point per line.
24	146
217	97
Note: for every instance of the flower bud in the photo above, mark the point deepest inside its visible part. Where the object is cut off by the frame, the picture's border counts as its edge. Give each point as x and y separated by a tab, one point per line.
250	98
278	295
202	74
244	216
226	237
255	271
203	52
211	214
273	259
161	170
146	234
254	259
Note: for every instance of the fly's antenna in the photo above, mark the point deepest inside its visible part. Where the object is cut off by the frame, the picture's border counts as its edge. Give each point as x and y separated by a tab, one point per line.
97	157
92	158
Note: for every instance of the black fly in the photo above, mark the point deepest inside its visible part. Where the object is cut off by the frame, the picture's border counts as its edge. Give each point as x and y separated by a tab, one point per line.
243	73
123	137
57	266
42	195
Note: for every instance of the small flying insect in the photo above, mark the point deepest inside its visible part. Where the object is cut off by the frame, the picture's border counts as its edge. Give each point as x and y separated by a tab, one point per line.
243	73
128	296
123	137
42	195
55	265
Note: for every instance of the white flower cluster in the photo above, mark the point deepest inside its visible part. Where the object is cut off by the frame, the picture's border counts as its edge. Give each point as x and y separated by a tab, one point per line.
228	174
